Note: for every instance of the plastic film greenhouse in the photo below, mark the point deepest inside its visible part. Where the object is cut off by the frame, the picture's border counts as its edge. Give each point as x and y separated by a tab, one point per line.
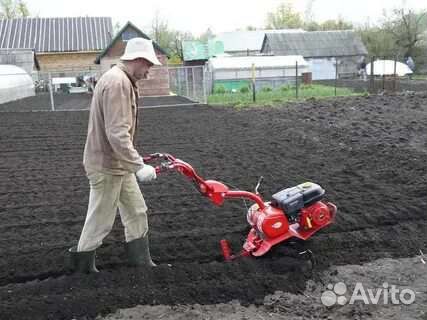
15	83
234	73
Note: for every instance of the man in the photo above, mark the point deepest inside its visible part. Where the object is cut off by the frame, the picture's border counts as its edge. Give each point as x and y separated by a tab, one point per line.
111	161
362	68
411	64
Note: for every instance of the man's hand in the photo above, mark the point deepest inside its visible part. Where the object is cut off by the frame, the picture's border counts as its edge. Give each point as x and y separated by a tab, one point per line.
146	174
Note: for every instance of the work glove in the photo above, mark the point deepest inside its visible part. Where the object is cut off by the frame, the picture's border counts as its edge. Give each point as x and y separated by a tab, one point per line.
146	174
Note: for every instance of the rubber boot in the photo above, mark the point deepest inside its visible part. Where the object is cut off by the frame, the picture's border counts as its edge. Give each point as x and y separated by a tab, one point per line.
83	262
138	253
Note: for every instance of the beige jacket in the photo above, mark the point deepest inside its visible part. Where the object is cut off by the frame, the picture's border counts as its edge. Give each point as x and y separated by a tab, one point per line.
112	122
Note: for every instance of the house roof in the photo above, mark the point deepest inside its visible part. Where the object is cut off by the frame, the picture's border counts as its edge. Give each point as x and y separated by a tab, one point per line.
315	44
118	36
56	34
236	41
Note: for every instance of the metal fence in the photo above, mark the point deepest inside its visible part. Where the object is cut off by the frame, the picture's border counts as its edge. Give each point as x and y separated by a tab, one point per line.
44	91
191	82
70	89
381	74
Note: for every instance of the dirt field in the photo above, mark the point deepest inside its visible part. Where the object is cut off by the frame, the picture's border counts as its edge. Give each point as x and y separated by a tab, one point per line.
402	273
78	101
367	152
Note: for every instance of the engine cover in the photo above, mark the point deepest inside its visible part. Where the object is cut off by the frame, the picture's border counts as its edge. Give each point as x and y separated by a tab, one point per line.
292	200
270	222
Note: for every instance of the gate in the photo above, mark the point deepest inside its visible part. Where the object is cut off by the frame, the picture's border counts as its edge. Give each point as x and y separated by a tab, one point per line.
189	82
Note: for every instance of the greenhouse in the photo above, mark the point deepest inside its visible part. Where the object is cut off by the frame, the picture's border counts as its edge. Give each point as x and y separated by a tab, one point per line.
234	73
15	83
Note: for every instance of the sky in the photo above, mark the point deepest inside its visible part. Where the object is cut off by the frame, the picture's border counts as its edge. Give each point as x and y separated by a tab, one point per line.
196	16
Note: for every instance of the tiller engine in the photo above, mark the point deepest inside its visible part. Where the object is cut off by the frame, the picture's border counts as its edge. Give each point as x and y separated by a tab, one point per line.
296	212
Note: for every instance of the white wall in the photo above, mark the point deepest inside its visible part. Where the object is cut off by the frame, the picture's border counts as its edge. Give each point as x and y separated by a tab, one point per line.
260	73
322	68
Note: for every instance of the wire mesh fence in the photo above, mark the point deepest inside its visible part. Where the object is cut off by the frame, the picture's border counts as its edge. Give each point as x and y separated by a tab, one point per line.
71	89
331	77
190	82
47	91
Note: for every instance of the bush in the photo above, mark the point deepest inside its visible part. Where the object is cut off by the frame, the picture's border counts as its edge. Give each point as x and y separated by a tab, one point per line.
266	89
285	88
244	89
219	89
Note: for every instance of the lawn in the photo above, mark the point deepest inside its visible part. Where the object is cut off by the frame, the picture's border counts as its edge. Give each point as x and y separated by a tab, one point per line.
268	96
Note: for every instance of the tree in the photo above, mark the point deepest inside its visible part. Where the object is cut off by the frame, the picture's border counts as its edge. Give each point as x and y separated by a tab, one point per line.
167	38
308	13
22	9
377	40
116	28
250	28
338	24
13	9
284	17
399	33
207	35
407	28
178	55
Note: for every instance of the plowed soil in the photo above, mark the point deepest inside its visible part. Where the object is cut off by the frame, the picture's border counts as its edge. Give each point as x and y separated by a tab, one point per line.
369	153
79	101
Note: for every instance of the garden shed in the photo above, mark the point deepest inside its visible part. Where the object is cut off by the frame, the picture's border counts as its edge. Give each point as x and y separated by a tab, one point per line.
15	83
234	73
321	49
62	44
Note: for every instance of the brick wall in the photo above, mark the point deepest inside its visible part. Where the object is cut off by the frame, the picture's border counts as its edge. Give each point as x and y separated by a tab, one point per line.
67	61
157	83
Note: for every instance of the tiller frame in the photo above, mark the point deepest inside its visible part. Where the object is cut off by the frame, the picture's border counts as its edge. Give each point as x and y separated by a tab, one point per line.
270	224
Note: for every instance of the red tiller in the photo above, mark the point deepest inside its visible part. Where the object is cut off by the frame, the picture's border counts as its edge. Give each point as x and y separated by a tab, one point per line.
296	212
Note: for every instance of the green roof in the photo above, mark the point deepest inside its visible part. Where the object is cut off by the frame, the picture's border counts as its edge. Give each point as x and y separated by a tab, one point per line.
198	50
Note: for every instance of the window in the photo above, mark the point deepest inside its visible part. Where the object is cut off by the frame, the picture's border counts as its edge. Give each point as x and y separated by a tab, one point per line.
129	34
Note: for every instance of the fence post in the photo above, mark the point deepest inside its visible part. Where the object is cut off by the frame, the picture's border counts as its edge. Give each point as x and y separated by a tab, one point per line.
394	74
194	84
186	82
336	76
52	101
372	79
384	73
204	80
253	83
296	79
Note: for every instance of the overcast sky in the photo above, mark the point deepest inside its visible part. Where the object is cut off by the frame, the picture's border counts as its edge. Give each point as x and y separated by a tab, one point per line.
219	15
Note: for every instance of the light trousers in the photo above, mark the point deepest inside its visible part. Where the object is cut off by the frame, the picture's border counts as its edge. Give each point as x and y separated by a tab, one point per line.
107	194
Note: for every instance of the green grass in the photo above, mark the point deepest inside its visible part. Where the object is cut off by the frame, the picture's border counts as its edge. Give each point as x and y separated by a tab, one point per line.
276	96
419	77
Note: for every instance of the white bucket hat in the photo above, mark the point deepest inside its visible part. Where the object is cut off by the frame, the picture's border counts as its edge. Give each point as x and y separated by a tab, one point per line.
140	48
